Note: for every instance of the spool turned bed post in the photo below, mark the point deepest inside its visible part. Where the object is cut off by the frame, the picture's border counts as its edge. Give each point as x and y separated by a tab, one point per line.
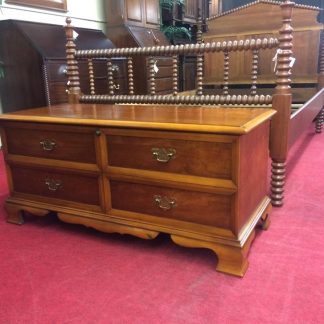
320	117
254	72
281	102
91	77
110	77
73	88
151	80
130	73
200	59
175	74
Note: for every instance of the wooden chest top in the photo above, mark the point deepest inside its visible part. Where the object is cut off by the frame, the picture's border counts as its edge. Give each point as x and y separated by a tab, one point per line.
176	118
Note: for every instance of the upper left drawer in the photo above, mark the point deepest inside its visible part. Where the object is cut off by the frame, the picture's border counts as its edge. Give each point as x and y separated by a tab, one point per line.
75	144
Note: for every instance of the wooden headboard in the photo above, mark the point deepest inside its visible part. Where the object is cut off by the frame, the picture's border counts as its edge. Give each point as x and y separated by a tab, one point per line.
257	20
74	56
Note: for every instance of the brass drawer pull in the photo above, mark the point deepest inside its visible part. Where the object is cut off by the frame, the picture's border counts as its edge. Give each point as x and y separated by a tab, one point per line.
53	184
164	202
163	155
47	144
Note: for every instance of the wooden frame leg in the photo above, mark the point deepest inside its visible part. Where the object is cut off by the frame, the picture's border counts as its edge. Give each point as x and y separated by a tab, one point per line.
278	175
319	121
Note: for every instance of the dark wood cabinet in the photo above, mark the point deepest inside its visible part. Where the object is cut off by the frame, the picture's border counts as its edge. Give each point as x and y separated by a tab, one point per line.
152	14
178	19
135	23
191	10
33	55
188	73
143	13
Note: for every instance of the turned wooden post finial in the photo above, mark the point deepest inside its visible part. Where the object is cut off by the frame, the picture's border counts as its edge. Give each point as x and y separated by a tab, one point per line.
284	57
73	84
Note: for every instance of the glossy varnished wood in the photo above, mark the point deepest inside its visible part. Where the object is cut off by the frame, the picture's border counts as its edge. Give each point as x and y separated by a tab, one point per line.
191	206
206	195
72	187
28	140
204	156
196	119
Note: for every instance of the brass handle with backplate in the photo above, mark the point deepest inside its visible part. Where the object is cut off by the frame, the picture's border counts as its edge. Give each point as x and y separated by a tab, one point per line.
163	155
53	185
165	203
48	144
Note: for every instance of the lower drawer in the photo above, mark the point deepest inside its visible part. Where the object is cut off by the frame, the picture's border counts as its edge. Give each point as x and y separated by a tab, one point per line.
59	185
57	93
191	206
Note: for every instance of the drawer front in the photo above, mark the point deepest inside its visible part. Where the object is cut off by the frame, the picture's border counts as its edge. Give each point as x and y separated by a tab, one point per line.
101	86
56	71
119	68
52	143
164	61
57	92
58	185
164	66
198	158
163	85
189	206
100	68
101	77
164	72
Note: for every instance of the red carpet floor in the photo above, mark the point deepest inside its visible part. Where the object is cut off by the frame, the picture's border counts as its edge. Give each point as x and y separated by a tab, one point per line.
51	272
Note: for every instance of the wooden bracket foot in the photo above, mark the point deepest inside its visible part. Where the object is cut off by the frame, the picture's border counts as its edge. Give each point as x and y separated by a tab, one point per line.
15	214
231	259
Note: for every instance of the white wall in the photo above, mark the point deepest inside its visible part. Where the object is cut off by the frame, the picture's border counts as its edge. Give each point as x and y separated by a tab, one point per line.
84	13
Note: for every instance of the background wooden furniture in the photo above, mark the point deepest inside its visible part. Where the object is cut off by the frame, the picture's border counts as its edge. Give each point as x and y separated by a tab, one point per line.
189	17
285	128
186	175
35	64
263	19
136	23
232	4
